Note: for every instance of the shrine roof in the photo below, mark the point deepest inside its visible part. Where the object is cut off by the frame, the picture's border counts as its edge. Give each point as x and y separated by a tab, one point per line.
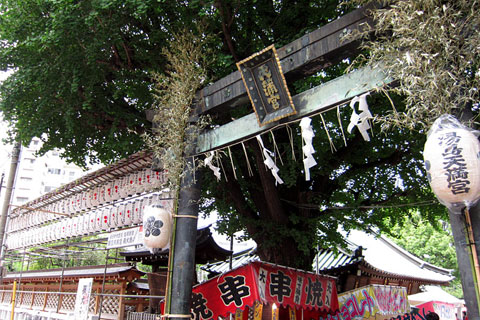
380	256
113	271
206	250
371	253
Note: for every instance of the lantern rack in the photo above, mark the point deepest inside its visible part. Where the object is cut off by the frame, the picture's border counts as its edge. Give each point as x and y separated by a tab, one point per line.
125	166
124	187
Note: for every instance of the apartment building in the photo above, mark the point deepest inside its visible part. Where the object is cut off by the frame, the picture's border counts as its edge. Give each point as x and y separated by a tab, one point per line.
39	175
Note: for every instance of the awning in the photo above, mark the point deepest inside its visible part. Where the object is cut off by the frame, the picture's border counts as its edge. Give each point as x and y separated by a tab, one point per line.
372	302
261	283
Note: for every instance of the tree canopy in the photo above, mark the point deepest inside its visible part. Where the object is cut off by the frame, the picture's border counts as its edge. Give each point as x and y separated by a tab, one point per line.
432	243
83	79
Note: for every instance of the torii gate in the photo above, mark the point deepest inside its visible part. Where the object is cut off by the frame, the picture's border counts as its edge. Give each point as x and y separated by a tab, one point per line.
304	56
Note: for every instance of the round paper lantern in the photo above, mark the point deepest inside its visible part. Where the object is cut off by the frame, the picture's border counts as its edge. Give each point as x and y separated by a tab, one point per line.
157	227
452	162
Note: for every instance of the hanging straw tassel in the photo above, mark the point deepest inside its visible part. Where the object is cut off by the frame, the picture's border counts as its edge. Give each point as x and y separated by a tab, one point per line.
223	169
233	166
290	137
275	148
341	127
249	167
332	146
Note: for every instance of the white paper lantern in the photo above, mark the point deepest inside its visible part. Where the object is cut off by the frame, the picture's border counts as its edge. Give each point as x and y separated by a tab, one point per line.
123	186
128	184
157	227
88	199
107	192
78	203
116	187
148	180
50	232
137	211
158	179
113	216
74	226
452	162
95	196
128	214
103	215
97	221
140	181
92	222
120	215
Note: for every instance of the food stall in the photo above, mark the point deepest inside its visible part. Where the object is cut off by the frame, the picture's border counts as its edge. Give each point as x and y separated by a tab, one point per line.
261	290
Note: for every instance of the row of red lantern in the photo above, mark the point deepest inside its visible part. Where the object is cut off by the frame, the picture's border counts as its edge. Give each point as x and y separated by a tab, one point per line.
145	180
104	219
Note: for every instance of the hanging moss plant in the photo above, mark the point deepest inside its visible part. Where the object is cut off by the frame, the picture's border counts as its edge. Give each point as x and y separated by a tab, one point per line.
432	48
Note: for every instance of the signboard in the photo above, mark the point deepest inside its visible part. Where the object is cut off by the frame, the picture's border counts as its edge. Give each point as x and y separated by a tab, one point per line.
125	238
266	284
266	87
372	302
82	301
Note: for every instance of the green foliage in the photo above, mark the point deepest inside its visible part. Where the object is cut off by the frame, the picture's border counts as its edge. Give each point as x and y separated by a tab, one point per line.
430	242
84	76
358	185
83	70
431	48
81	76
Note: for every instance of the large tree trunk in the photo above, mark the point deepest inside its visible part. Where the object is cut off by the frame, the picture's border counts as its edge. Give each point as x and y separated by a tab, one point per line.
269	223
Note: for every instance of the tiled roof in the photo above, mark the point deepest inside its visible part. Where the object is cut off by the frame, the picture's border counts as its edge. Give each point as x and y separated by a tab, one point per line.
377	254
239	259
383	255
79	272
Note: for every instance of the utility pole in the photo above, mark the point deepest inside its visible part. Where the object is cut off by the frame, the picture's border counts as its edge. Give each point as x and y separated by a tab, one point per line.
6	201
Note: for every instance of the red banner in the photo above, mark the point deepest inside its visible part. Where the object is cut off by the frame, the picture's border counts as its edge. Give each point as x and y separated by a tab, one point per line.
265	283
